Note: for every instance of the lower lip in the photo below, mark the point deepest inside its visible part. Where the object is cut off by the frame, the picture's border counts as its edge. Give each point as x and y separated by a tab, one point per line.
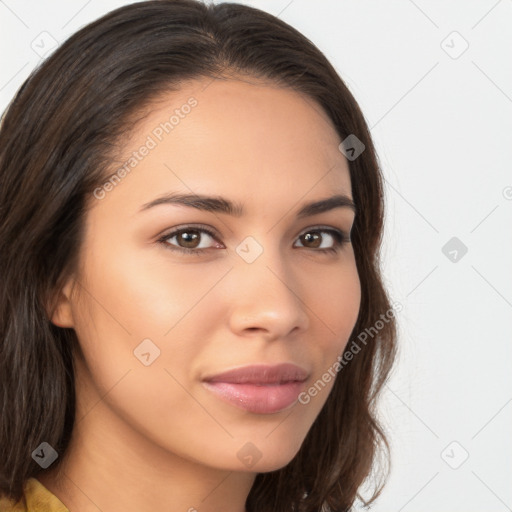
264	399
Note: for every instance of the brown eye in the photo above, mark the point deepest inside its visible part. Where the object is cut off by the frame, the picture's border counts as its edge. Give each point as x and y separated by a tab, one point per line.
316	239
189	240
194	240
312	239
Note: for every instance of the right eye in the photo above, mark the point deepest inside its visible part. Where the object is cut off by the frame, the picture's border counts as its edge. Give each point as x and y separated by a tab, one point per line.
188	239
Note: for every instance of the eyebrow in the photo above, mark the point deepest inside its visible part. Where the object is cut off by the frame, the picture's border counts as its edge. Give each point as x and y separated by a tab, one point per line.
218	204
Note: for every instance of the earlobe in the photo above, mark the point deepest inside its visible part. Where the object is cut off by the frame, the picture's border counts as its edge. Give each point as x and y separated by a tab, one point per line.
61	313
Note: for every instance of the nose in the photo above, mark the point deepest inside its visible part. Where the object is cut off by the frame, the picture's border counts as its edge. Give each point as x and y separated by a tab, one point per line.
267	298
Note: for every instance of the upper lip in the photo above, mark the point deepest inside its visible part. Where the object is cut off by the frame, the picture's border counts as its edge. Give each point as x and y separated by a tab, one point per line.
261	374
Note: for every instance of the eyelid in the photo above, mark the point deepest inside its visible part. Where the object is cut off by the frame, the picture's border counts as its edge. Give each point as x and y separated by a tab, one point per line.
320	227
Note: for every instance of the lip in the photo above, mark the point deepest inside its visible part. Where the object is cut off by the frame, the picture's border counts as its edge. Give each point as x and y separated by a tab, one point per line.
261	389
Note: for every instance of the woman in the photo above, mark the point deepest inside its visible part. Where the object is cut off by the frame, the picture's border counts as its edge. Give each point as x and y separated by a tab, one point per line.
192	211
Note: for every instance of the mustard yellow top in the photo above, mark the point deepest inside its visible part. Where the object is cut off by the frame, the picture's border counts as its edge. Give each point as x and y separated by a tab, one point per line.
36	498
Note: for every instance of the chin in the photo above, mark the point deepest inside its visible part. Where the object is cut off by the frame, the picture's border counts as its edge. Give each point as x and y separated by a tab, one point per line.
274	464
268	456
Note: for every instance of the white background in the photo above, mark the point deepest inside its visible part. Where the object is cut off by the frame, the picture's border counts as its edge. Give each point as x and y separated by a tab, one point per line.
442	124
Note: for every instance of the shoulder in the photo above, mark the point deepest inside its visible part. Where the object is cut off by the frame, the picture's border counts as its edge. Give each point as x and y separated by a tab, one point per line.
36	497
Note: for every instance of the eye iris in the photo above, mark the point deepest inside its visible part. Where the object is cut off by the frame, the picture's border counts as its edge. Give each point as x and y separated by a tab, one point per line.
187	238
309	237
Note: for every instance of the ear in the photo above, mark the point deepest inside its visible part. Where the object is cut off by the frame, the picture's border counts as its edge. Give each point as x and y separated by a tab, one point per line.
62	315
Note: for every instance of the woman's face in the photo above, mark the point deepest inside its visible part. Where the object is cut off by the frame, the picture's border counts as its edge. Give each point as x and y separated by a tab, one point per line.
153	321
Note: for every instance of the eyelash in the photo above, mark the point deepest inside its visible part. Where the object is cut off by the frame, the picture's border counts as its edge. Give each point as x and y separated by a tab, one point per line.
340	238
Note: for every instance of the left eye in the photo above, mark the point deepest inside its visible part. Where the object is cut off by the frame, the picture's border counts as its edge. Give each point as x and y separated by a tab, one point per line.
314	237
189	240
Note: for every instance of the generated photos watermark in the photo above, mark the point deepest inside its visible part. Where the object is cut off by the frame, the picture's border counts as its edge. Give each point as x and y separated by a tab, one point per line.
153	139
348	355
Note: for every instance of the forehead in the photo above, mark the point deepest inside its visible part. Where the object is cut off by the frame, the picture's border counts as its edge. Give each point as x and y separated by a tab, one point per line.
242	138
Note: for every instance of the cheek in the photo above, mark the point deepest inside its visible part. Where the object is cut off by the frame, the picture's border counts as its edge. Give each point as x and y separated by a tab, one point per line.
338	310
131	312
335	301
139	298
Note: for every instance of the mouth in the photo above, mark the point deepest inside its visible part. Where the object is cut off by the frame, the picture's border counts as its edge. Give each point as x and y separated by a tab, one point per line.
260	389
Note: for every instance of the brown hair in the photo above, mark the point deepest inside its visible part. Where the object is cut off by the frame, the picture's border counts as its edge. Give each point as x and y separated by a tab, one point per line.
57	140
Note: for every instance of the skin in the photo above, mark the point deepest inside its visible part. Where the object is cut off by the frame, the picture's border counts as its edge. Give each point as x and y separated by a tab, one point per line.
152	437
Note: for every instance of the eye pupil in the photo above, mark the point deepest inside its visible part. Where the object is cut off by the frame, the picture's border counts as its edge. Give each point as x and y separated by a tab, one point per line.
187	238
308	237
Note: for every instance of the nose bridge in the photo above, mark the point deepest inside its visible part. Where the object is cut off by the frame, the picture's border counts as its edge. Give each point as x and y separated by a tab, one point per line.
263	265
267	295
